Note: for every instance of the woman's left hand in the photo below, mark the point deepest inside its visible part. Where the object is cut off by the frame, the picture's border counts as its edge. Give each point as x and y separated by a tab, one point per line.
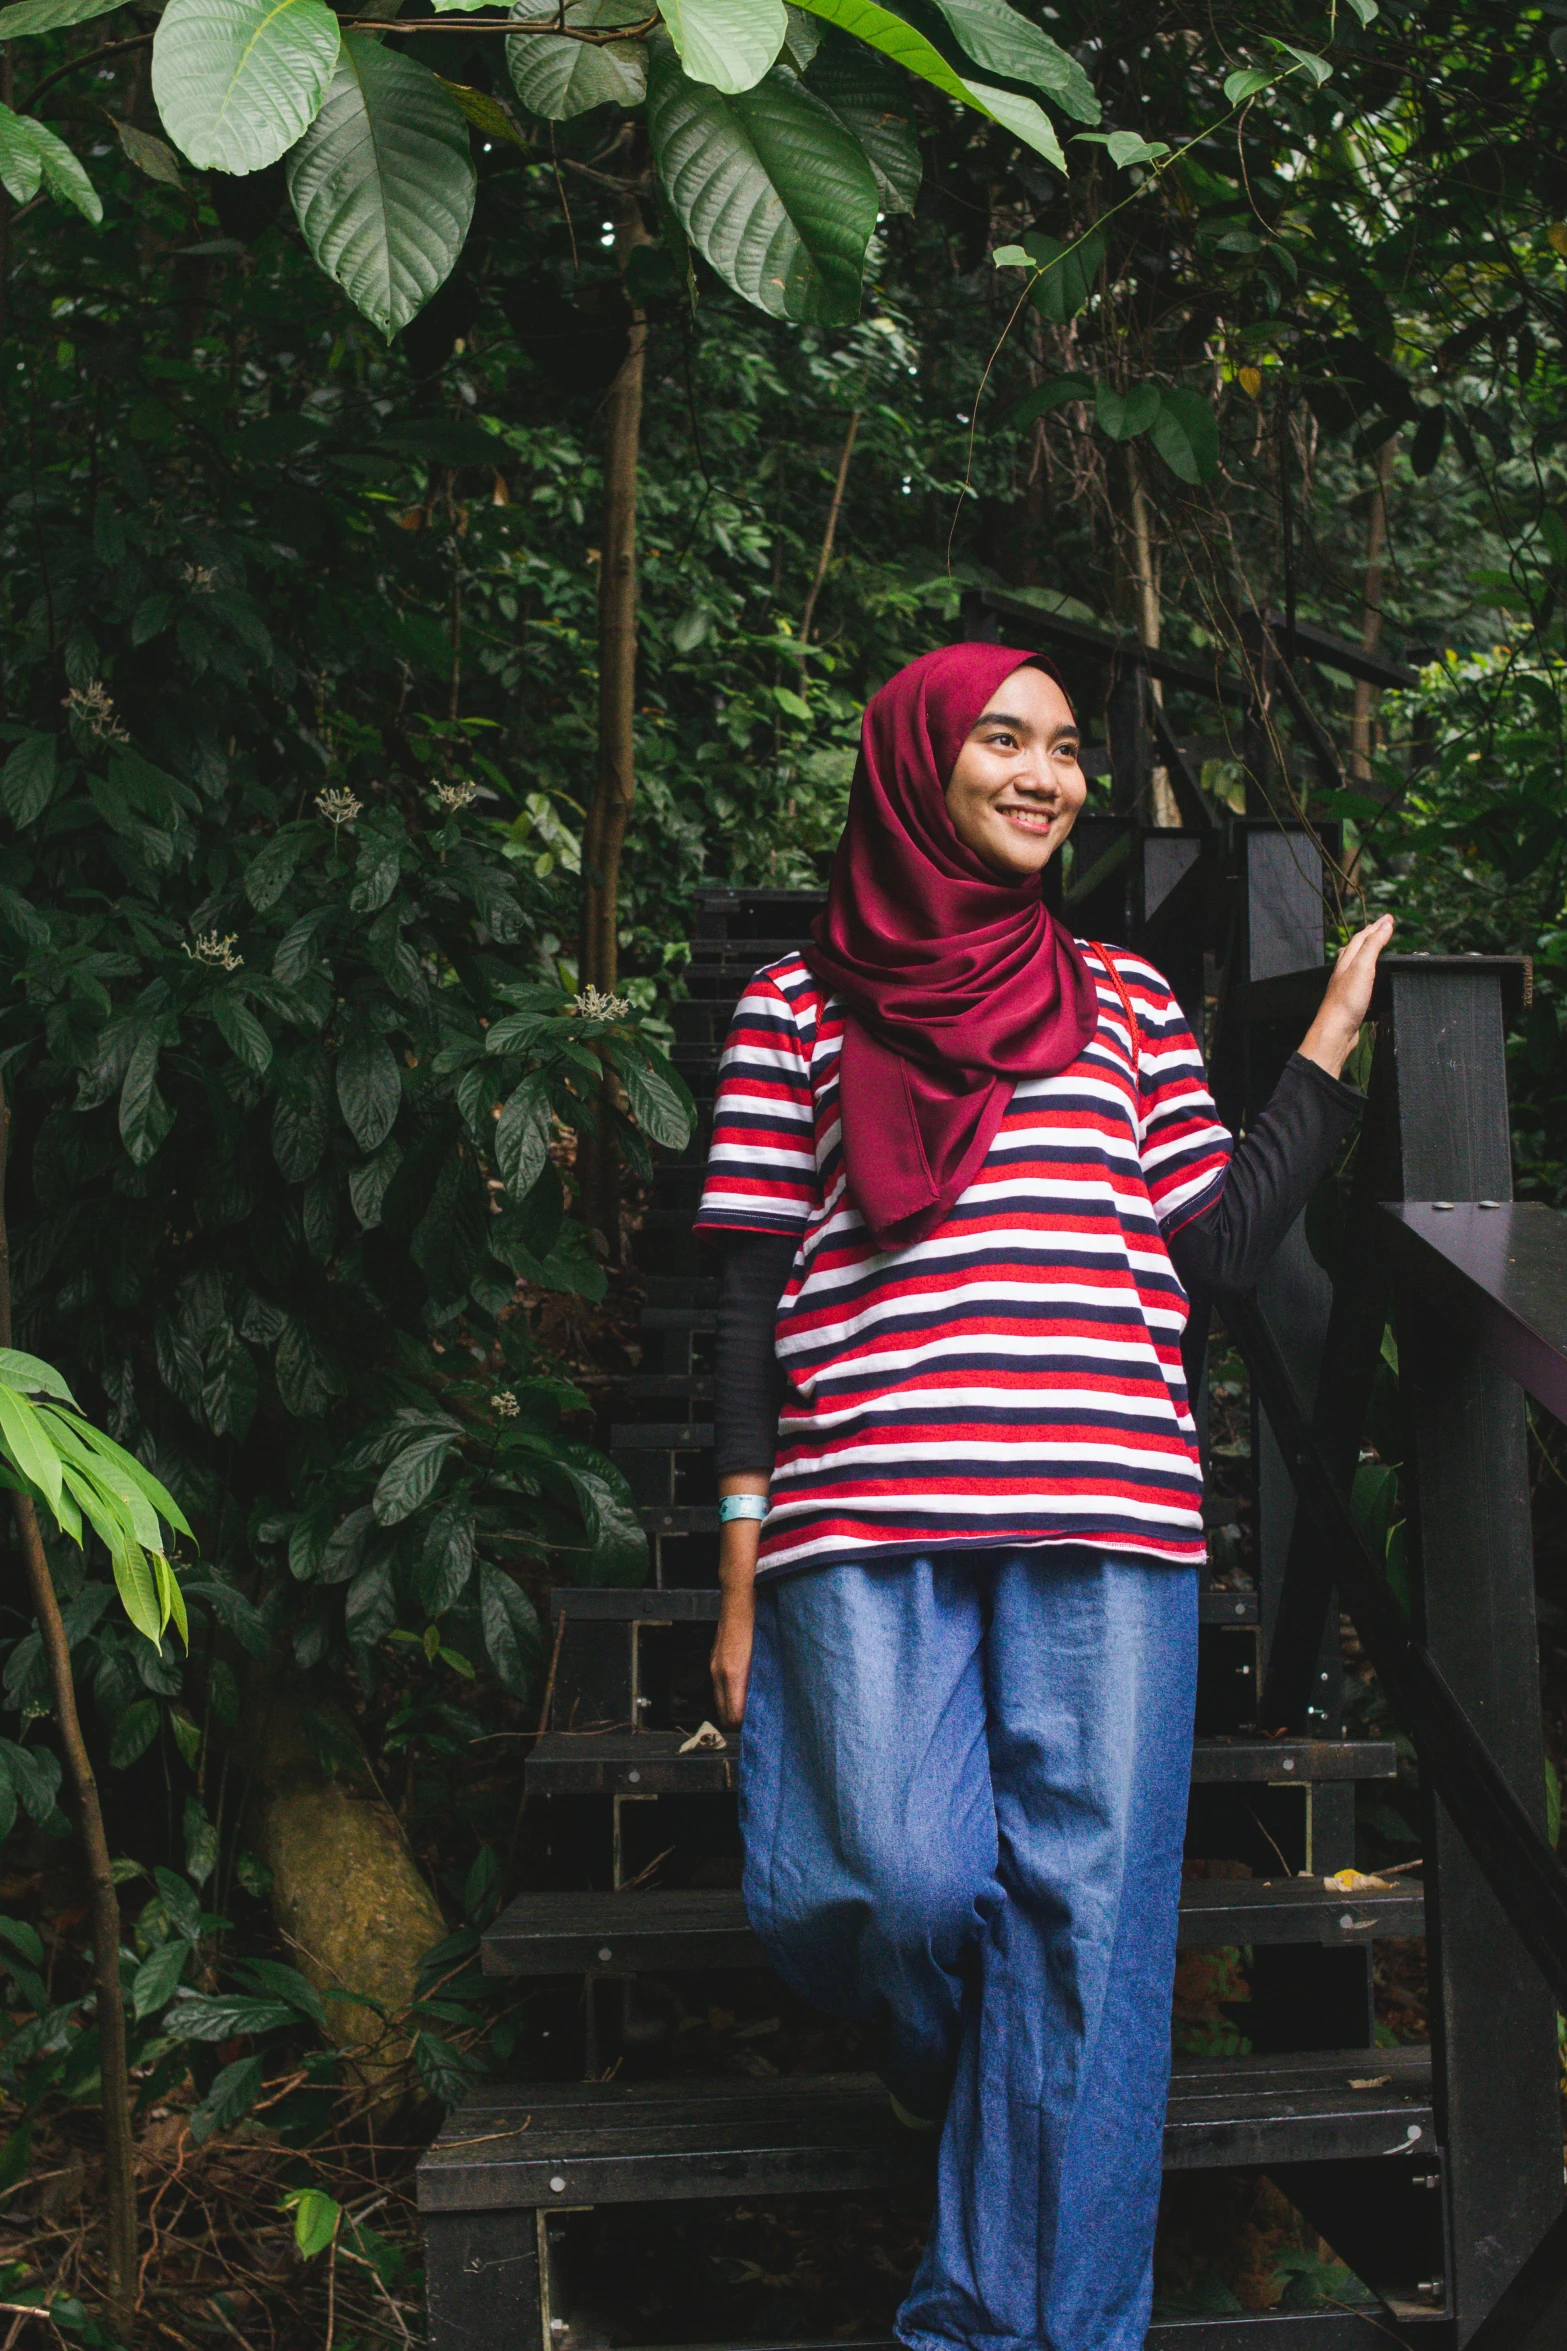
1334	1033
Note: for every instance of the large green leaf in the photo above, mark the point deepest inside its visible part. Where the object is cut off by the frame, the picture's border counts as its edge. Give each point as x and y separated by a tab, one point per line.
730	43
238	81
768	185
557	78
1124	415
868	21
1186	434
47	16
1002	41
369	1085
383	183
868	96
27	780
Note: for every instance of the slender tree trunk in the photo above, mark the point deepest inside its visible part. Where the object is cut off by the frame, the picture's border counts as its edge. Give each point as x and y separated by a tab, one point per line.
831	532
609	814
1361	725
1145	590
609	817
119	2146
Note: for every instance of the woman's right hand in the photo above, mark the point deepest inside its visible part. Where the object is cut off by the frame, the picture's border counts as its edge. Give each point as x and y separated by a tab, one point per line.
730	1664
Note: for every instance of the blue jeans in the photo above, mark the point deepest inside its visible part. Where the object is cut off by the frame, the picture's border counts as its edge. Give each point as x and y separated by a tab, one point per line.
963	1784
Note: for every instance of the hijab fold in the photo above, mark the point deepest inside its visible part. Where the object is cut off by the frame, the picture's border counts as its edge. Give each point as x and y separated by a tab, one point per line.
956	980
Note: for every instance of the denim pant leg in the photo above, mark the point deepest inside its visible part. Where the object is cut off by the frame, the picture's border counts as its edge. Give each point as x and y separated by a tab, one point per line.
1050	2158
865	1801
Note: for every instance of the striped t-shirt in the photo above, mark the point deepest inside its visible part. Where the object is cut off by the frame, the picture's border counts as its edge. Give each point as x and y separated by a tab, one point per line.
1015	1378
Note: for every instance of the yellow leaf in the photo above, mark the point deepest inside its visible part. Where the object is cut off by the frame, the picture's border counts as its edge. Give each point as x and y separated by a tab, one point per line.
1250	381
1556	235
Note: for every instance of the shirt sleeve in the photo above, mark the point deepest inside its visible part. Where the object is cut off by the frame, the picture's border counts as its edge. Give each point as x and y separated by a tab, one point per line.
1185	1144
761	1164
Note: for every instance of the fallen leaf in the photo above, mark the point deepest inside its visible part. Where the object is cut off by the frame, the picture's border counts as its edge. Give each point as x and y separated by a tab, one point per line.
707	1734
1354	1881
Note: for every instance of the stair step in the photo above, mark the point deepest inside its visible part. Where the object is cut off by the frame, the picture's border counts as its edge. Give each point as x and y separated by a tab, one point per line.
661	1436
641	1604
602	1763
519	2145
668	1387
681	1518
659	1928
1252	2330
680	1289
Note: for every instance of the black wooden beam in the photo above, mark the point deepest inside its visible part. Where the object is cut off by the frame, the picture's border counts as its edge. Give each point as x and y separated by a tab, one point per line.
1497	1269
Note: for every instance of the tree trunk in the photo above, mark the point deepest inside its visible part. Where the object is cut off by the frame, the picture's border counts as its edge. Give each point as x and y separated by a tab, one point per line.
115	2092
346	1891
1361	725
615	783
831	532
609	814
1145	590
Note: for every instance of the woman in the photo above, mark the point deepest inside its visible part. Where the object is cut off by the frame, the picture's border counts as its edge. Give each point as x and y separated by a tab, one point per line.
964	1169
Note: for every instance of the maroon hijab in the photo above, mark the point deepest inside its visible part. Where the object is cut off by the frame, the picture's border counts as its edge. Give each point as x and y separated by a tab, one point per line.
956	982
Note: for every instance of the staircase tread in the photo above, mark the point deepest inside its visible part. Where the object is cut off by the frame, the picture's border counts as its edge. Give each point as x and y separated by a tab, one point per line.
652	2142
641	1603
599	1761
565	1933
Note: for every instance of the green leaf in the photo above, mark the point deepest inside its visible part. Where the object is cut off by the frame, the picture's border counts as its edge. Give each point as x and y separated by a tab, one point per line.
271	870
367	1183
242	1031
25	1438
660	1101
867	95
446	1561
1367	10
30	151
1186	434
21	165
522	1136
369	1085
1022	118
30	1374
237	82
200	2018
27	779
317	2217
23	1940
150	155
1053	393
35	1774
1068	274
1248	82
145	1118
155	1981
557	78
487	114
768	185
730	43
1002	41
867	21
411	1477
1123	415
383	183
1426	447
134	1733
48	16
1318	67
511	1629
370	1607
201	1841
233	2093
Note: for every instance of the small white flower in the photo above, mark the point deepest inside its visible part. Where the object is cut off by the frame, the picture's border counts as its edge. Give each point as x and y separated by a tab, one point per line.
504	1404
200	578
92	705
207	947
455	796
339	808
594	1006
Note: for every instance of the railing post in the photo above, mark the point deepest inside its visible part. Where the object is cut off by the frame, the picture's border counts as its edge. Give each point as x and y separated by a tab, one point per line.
1493	2018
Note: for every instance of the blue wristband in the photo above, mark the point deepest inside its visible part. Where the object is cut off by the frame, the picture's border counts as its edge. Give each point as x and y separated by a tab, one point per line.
741	1506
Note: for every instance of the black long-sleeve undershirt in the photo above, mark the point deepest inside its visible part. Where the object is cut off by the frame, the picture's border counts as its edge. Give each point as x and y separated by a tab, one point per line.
1272	1174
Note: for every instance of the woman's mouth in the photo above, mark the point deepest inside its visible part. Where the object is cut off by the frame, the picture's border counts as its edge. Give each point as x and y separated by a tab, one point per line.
1027	820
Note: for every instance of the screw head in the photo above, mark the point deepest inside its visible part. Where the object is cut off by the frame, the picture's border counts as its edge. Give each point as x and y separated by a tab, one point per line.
604	1951
557	2185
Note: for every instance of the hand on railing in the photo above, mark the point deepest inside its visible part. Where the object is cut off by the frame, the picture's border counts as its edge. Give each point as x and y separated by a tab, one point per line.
1334	1034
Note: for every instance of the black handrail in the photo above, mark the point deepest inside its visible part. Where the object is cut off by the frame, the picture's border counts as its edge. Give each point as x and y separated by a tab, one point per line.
1529	1882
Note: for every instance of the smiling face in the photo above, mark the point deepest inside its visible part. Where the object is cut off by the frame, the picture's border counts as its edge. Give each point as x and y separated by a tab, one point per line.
1016	790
